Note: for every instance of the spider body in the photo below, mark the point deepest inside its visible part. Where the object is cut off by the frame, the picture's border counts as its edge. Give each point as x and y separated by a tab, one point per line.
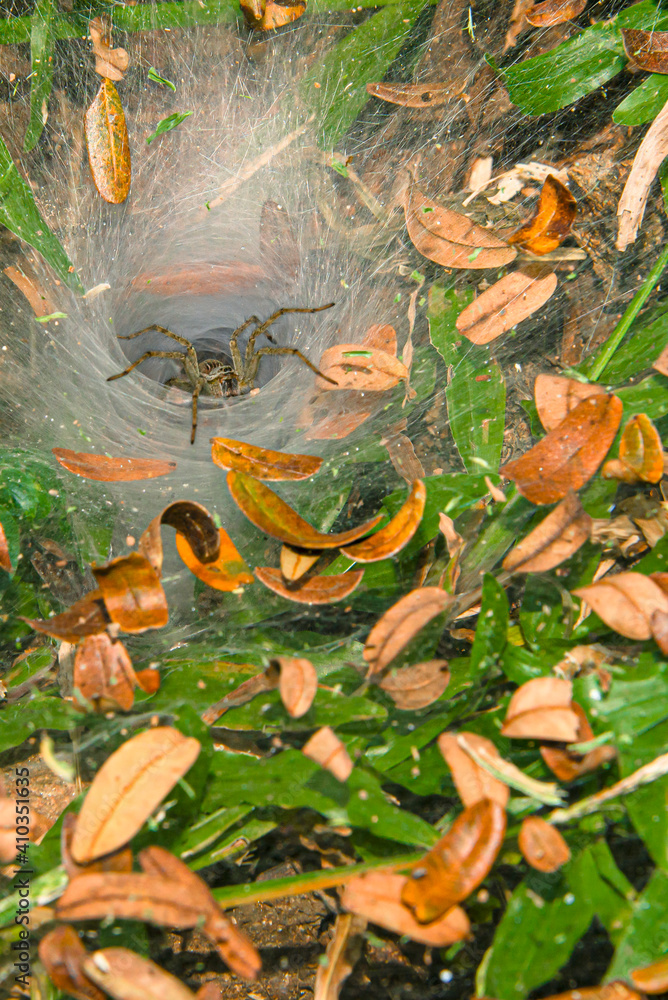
212	377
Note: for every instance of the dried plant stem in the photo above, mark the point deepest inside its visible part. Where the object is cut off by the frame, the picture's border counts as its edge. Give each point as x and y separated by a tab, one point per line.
648	772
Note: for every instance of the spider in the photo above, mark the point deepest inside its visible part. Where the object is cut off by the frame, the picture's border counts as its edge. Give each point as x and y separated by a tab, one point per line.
214	378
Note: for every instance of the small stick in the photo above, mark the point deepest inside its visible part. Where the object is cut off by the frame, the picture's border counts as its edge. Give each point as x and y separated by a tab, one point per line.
648	772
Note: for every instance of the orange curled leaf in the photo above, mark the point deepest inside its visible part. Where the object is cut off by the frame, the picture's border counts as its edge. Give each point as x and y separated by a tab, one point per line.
234	947
326	749
377	896
270	514
354	366
640	453
316	590
626	602
228	572
132	593
110	63
111	470
567	765
261	462
542	845
556	538
87	616
570	454
128	787
541	709
108	144
129	896
415	687
449	238
40	301
124	975
189	519
505	304
458	863
556	396
381	337
551	12
651	978
401	623
647	49
472	782
297	684
103	674
296	562
272	14
552	220
62	954
395	535
5	561
413	95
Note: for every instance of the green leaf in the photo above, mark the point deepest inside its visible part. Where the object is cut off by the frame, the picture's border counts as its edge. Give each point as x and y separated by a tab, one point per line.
547	612
267	714
11	532
557	78
646	934
476	409
168	123
644	103
640	348
647	805
492	628
41	77
155	76
609	892
541	926
649	396
20	214
25	718
335	89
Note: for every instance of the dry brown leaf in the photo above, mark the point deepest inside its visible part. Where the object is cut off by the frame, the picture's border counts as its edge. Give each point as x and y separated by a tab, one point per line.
202	278
86	616
132	593
108	145
8	848
551	12
556	538
128	787
333	416
118	861
234	947
568	456
262	463
458	863
651	978
5	561
377	897
607	991
105	469
129	896
62	954
295	563
109	63
401	451
449	238
661	363
567	765
315	590
542	845
354	366
266	16
37	296
326	749
401	623
651	154
556	396
103	674
552	220
343	951
266	681
127	976
541	709
297	684
414	95
412	688
626	602
505	304
396	534
647	49
473	783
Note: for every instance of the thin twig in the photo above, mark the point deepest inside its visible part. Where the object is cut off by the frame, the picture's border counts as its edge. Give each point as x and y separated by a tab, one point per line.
648	772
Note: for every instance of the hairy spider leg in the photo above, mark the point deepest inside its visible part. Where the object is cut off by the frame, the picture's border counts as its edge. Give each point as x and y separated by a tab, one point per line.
189	358
175	355
201	382
255	361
